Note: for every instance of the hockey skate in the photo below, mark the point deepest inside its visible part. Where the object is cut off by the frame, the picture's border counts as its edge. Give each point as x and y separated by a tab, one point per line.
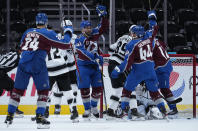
74	115
9	119
136	116
95	112
173	114
46	112
87	114
18	114
42	123
57	110
110	114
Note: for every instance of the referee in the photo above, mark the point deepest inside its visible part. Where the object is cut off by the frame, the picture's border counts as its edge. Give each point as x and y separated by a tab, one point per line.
8	61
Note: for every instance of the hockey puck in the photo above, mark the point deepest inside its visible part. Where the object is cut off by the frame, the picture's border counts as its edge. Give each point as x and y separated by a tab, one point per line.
188	118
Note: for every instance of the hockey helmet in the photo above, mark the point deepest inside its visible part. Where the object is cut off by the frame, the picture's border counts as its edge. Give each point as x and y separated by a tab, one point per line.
85	24
41	19
138	30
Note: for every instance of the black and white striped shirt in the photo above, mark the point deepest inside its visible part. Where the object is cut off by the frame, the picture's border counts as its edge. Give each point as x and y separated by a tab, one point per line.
9	61
117	50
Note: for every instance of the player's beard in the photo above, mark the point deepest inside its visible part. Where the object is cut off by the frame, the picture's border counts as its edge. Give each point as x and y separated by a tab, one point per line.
86	34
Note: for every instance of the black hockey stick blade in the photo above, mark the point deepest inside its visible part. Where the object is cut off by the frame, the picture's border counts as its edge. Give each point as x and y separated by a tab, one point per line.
175	101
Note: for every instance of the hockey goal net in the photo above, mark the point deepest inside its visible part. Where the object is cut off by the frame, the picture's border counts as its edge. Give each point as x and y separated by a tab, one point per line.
182	83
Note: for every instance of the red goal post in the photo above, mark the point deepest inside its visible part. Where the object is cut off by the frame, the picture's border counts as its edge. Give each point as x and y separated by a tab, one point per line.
191	61
179	61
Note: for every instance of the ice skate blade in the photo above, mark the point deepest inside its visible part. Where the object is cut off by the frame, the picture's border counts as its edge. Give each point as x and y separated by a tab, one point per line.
134	118
75	121
8	124
18	116
109	118
173	116
41	126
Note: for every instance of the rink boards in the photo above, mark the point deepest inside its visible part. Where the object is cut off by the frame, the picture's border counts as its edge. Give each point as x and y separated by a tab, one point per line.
179	81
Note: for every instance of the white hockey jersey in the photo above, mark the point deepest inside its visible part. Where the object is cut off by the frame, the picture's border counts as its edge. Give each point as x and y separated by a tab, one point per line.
61	61
117	50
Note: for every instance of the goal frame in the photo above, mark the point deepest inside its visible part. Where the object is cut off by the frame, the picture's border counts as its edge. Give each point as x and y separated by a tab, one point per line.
194	77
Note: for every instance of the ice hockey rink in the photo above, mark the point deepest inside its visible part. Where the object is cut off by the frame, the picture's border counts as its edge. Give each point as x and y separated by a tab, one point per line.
62	123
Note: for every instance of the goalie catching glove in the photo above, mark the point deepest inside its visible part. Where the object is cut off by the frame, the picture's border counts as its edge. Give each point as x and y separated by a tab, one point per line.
101	10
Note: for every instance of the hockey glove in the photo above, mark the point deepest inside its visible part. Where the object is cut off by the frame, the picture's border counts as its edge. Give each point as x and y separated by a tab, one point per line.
99	59
68	29
101	10
152	15
152	23
115	73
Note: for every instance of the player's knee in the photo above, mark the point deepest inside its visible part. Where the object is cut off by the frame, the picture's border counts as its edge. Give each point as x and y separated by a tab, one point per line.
58	94
43	95
85	93
96	92
155	95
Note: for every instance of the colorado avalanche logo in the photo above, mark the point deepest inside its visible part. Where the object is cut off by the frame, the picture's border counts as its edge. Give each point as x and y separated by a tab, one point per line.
173	78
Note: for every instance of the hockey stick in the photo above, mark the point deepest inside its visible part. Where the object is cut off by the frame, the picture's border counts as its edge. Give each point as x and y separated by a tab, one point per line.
105	99
75	61
102	92
150	4
156	5
174	101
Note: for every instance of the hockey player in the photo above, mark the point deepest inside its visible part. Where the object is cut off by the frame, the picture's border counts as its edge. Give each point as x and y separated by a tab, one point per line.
72	73
139	58
88	53
117	51
59	75
35	44
8	61
163	66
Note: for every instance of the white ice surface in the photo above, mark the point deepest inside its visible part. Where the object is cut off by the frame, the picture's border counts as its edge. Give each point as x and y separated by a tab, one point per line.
62	123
